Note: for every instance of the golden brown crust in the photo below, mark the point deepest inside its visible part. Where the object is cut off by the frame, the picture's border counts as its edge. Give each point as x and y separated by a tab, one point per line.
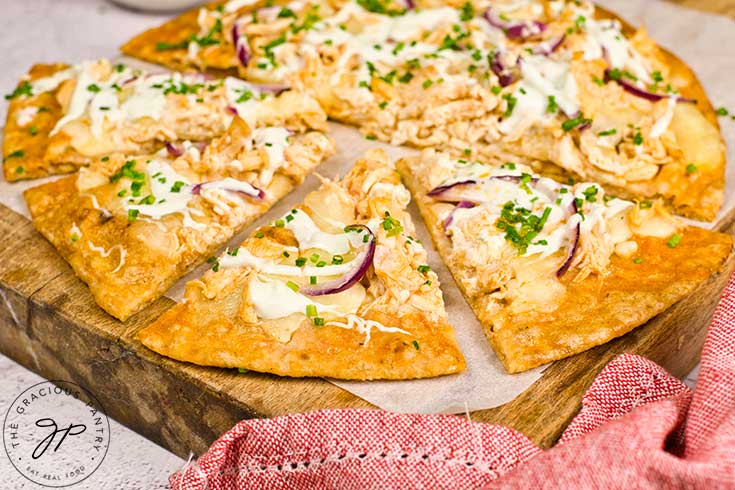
32	138
594	310
208	330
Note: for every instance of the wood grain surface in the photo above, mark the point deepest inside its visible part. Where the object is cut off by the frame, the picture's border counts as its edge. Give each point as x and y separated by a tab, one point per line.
50	324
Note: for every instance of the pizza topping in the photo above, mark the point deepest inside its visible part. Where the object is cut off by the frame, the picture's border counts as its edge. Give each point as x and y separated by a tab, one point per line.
514	29
310	236
360	265
535	216
274	299
106	253
242	48
25	115
365	326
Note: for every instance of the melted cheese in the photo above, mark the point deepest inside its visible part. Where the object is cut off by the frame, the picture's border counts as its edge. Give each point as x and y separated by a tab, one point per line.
166	201
246	109
274	299
542	78
245	259
309	235
25	115
123	96
663	123
605	39
275	141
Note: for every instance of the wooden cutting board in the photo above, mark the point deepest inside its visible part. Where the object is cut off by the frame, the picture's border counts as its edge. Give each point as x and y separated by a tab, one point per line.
50	324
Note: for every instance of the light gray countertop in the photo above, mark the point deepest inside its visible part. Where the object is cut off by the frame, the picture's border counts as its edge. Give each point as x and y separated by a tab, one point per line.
72	30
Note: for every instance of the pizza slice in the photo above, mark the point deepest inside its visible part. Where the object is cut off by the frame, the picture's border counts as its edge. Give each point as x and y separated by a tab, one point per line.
337	287
61	118
551	270
564	86
131	226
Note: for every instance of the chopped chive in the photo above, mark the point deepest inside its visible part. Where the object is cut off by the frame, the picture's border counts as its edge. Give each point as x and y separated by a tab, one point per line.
674	241
423	269
311	310
318	321
279	223
337	259
637	260
259	234
292	286
312	280
300	261
286	254
415	344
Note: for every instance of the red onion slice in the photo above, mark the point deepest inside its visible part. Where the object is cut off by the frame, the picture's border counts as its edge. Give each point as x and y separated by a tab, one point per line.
410	4
174	150
361	264
460	205
241	45
506	75
644	94
271	88
514	29
573	243
257	194
461	191
548	47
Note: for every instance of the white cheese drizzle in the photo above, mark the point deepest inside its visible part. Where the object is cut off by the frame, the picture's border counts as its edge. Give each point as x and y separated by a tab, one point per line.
106	253
365	327
25	115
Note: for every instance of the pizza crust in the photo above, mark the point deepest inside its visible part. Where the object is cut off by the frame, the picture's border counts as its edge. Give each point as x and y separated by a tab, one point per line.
128	265
20	138
593	311
697	195
208	330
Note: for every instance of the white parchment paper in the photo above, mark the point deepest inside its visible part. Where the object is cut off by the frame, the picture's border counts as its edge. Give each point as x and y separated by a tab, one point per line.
706	42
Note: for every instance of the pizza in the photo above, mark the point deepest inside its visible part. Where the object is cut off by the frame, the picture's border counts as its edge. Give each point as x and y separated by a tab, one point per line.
64	117
550	269
337	287
562	86
131	226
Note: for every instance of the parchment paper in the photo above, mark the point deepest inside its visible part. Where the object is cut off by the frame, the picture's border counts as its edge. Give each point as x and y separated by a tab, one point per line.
706	42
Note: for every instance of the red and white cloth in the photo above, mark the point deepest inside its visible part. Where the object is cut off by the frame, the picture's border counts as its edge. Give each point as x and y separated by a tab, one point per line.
639	428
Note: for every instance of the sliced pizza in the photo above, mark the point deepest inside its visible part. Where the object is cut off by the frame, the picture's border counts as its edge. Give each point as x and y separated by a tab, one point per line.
551	270
561	84
337	287
61	118
131	226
